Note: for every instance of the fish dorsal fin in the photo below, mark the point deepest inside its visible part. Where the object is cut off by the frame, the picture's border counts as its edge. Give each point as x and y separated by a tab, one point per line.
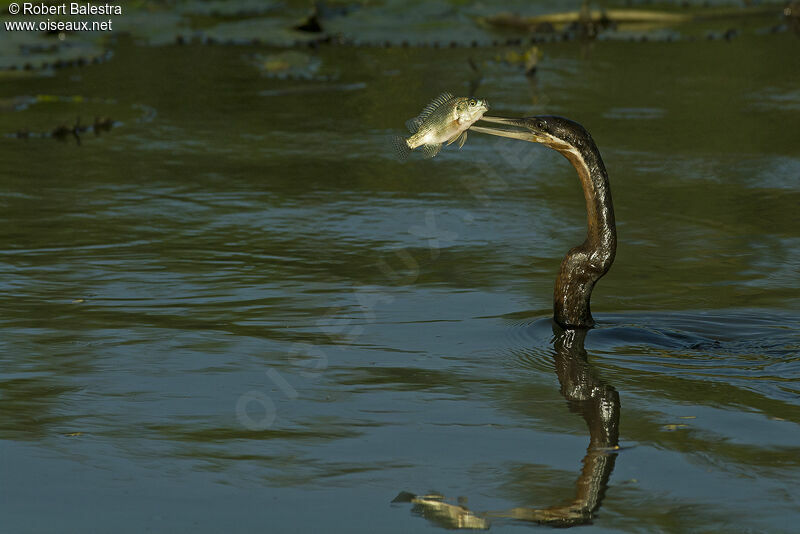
430	151
413	124
440	100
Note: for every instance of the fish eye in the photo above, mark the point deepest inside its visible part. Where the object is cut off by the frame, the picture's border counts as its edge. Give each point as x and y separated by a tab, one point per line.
473	102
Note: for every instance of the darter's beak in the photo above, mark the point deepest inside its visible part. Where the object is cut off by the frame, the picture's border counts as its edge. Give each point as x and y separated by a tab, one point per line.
513	128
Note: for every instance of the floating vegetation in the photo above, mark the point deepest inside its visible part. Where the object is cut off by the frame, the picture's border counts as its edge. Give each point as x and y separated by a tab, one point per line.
277	32
291	65
630	24
430	23
63	132
27	120
528	59
613	18
237	8
153	28
39	51
321	14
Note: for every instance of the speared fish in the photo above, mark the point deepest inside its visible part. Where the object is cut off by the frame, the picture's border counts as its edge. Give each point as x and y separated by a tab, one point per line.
445	120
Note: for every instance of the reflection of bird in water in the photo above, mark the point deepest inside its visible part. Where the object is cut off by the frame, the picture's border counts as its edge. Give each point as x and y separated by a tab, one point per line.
587	395
585	264
598	404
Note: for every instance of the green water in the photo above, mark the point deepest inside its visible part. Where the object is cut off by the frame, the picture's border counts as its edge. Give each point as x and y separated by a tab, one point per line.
235	311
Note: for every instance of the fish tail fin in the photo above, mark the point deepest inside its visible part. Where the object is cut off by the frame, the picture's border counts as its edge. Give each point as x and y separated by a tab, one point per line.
401	147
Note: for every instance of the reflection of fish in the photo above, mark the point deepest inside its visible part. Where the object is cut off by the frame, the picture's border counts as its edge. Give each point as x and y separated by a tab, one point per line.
445	119
450	516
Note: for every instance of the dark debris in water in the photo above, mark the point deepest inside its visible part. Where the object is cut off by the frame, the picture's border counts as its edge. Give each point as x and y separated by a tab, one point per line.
64	132
31	117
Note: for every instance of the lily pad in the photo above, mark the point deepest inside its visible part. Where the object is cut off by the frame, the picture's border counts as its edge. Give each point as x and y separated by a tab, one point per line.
36	51
235	8
153	28
415	23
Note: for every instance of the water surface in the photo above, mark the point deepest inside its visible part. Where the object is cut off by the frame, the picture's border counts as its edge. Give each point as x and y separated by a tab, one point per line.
235	311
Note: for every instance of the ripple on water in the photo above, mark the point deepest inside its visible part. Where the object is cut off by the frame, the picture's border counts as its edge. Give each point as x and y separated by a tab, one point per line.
531	344
745	350
777	99
754	350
